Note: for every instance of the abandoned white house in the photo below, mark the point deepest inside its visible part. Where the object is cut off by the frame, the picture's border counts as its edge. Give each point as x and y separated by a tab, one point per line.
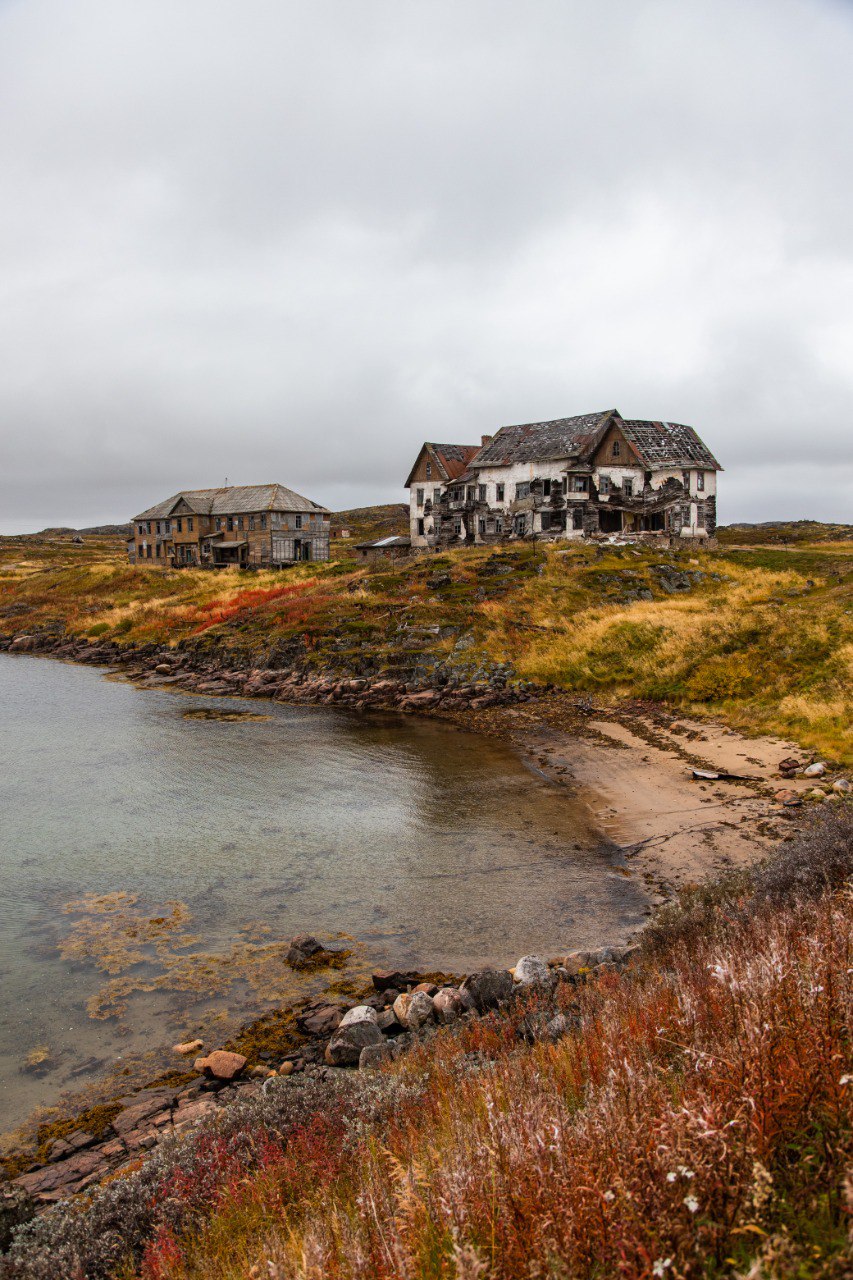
597	473
243	525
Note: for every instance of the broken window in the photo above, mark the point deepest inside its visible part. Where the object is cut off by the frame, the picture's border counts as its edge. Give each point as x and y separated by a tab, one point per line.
481	493
546	521
420	528
457	526
520	524
546	488
419	497
263	522
685	479
615	449
522	490
499	492
251	522
499	524
298	522
429	471
700	517
580	484
179	525
628	488
700	481
482	524
604	484
577	518
229	520
219	523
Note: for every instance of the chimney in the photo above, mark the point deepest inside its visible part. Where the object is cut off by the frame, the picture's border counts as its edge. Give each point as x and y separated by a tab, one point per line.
484	440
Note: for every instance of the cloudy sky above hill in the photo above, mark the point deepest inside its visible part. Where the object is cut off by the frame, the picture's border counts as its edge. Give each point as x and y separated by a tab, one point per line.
261	239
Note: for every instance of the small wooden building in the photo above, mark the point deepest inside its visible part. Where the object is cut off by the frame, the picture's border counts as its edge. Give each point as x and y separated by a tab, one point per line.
395	548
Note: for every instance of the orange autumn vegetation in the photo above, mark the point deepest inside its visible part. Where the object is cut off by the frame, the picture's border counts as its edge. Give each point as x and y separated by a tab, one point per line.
696	1122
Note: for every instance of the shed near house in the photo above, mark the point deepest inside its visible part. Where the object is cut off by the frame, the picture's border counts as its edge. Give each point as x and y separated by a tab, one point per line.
396	548
243	525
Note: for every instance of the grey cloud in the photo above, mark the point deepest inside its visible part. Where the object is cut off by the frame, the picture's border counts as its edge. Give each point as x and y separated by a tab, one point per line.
290	240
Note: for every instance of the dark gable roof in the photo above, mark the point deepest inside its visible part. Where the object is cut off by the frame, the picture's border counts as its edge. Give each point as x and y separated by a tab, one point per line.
452	459
668	444
234	500
537	441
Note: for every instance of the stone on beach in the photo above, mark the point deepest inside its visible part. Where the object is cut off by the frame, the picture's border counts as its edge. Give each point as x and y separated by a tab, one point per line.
401	1008
361	1013
447	1006
488	988
420	1010
533	971
221	1064
375	1055
344	1048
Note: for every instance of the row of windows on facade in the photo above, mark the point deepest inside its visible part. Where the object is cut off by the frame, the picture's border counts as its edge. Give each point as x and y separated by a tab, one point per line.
221	523
579	484
495	524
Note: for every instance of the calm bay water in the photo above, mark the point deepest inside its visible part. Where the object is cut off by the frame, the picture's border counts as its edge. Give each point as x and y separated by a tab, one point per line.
428	846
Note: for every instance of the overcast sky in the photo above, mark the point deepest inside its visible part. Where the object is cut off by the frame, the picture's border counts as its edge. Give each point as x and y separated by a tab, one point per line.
268	240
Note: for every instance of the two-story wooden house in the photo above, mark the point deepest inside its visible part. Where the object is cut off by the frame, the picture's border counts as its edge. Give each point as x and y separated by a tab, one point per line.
568	478
244	525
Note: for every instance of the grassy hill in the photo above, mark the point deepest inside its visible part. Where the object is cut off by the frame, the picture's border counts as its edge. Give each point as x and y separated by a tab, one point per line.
760	637
366	524
784	533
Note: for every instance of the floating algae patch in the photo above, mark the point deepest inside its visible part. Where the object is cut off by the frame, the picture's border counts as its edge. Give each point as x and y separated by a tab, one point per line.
215	713
145	953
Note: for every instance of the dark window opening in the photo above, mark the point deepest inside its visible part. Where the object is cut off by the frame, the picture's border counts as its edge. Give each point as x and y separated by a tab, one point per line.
577	518
628	488
481	493
499	492
419	497
616	449
522	490
546	488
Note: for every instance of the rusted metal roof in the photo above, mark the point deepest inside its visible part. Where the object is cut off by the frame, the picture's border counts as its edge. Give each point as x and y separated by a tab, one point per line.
451	459
233	500
539	441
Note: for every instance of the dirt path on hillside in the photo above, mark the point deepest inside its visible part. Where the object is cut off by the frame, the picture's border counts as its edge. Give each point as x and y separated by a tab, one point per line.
633	766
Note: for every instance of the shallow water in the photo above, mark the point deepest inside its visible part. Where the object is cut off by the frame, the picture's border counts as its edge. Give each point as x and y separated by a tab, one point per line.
428	846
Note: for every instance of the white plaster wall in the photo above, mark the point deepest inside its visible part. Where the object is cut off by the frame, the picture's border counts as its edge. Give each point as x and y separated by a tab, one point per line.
660	478
416	512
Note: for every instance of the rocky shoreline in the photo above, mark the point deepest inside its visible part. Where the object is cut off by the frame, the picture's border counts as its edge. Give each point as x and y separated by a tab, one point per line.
401	1010
193	670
